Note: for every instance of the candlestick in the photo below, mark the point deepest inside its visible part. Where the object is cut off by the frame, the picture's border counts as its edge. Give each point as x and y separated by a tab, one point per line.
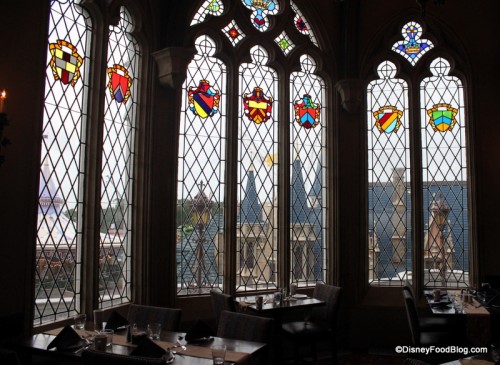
3	96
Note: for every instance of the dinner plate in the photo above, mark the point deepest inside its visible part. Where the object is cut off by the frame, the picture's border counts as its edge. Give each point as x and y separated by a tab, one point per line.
299	296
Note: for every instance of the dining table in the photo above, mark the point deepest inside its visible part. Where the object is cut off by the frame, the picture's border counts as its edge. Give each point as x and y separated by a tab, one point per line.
278	310
196	353
453	303
298	303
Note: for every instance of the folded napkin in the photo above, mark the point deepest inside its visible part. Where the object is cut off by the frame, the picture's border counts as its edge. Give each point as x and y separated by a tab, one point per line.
147	348
115	321
67	340
198	332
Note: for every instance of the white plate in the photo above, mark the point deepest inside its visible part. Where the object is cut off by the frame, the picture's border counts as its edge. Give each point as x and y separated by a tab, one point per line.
300	296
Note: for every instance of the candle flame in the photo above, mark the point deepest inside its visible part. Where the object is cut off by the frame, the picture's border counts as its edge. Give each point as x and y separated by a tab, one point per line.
3	94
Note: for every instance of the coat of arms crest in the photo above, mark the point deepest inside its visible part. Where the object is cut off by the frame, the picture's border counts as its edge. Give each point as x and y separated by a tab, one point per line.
257	106
65	62
307	113
388	119
203	100
119	83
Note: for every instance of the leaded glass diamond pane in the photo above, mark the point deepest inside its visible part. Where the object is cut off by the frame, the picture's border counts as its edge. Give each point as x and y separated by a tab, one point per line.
444	162
117	158
58	246
256	247
389	209
285	43
201	185
308	170
233	33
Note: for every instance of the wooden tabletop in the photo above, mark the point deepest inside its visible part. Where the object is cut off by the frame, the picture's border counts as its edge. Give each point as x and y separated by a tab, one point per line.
286	305
37	344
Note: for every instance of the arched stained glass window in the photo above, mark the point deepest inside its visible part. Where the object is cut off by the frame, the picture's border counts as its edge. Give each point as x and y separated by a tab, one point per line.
444	163
201	186
261	105
117	159
58	247
257	183
435	201
307	187
388	177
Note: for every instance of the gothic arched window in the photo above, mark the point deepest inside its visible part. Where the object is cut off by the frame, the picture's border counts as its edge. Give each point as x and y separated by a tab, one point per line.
436	157
278	116
65	255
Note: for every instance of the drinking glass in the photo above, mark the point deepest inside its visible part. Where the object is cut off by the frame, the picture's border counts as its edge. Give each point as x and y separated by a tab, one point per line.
219	354
154	331
109	336
277	297
80	321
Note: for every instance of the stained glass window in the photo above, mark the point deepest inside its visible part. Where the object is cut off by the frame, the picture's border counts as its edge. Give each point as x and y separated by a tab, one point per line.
261	9
308	169
412	47
201	186
253	166
117	170
439	164
389	208
301	24
58	247
212	7
233	33
285	43
257	182
444	160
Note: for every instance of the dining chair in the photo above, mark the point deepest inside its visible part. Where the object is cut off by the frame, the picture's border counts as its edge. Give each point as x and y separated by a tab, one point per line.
142	315
432	322
422	337
220	302
240	326
94	357
320	326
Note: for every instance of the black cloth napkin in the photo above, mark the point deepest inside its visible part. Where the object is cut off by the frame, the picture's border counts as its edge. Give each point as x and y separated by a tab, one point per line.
67	340
198	332
115	321
147	348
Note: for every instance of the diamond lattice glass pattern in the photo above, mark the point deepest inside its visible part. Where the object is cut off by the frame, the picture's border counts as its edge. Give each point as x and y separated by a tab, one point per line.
307	187
200	186
444	160
256	248
389	209
117	160
58	247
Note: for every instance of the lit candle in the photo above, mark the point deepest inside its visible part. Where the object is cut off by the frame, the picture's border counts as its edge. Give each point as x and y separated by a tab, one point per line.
3	96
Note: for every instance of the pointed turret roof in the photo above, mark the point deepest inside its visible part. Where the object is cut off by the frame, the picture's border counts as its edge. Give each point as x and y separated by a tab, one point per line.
316	187
50	201
298	200
251	208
